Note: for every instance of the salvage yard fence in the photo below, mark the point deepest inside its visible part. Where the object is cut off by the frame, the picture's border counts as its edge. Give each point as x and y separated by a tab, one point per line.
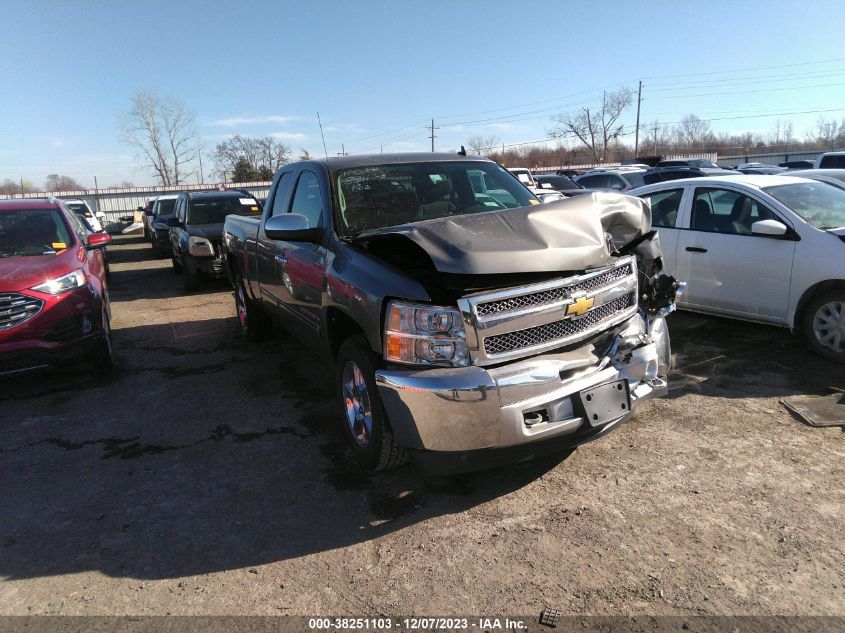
119	203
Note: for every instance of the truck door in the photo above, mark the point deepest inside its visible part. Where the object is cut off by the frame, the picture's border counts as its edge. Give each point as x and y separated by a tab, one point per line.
265	248
300	266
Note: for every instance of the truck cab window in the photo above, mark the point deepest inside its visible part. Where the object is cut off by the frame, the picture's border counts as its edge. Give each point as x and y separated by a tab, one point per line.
281	195
307	200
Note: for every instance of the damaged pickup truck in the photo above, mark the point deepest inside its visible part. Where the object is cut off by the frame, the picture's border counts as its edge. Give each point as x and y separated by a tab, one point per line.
468	325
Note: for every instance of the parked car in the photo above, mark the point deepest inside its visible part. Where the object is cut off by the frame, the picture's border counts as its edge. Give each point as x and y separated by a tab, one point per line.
662	174
561	184
700	163
759	168
81	208
831	160
160	212
760	248
610	179
147	217
54	305
453	332
834	177
797	164
196	230
527	178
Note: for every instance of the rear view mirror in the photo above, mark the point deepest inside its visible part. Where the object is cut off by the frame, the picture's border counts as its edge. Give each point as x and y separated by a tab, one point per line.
771	228
98	239
291	227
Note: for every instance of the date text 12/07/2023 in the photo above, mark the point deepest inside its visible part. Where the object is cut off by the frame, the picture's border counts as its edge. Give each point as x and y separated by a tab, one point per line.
417	624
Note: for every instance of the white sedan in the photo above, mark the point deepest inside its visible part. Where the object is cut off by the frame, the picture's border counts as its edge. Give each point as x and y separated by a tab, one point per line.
760	248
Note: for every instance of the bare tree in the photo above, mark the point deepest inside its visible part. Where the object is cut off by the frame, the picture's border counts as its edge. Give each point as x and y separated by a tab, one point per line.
693	131
596	129
304	154
56	182
163	132
483	145
261	154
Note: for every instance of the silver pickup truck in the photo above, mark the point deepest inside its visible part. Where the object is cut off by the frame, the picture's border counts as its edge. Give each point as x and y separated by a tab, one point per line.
467	324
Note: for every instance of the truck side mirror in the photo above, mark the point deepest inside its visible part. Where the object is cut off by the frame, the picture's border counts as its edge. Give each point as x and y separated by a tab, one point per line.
291	227
174	222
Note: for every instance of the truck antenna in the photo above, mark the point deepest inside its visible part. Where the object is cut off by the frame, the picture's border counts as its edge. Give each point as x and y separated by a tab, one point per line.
325	151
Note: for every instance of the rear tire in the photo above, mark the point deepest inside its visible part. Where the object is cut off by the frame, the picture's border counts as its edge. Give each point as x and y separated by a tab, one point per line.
365	424
824	324
255	325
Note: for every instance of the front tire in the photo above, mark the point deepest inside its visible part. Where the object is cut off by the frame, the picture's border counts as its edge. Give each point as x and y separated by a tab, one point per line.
365	424
103	357
190	281
824	324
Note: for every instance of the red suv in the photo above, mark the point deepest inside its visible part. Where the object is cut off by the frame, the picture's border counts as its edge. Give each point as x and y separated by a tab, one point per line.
53	299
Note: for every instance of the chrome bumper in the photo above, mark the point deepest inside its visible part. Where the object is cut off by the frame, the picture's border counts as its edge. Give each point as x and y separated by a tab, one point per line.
472	408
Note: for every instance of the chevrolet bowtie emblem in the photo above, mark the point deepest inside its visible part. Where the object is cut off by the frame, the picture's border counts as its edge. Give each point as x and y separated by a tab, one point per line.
580	307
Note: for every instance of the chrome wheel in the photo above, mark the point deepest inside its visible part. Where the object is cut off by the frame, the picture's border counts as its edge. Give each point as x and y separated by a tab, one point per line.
359	414
829	325
241	305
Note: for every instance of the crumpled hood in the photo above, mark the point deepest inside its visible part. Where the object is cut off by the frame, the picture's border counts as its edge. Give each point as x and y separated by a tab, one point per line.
569	234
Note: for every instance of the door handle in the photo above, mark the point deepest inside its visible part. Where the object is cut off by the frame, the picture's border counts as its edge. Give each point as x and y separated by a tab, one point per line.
696	249
281	259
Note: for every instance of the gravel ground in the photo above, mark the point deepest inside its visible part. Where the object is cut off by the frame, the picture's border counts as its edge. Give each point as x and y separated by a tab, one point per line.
206	477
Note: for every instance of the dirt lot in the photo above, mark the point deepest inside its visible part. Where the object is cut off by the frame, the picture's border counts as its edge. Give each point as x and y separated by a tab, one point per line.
206	477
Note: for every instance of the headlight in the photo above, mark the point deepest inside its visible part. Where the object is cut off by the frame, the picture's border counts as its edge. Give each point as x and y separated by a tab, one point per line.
200	247
424	335
57	286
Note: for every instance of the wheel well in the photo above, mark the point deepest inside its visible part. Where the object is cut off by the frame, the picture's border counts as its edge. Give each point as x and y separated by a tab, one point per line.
340	327
810	294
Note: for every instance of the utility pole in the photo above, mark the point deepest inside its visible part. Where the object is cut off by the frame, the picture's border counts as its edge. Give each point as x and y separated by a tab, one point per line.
342	150
22	184
637	133
97	195
655	139
432	137
199	154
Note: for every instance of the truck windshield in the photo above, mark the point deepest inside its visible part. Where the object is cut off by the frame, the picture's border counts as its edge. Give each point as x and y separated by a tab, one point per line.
378	196
215	210
164	208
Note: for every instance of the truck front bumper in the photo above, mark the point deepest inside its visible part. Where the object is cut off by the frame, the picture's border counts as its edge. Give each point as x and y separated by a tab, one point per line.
526	402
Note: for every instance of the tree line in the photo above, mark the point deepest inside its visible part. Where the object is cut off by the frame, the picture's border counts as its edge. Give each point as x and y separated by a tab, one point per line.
594	135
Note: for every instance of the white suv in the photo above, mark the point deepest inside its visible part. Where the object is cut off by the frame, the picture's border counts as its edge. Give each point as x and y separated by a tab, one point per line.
81	209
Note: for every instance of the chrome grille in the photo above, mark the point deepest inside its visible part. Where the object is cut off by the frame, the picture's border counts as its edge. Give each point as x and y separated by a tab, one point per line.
16	308
553	295
531	337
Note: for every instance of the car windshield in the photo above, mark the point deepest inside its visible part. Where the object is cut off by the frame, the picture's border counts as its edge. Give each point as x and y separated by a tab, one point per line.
378	196
215	210
28	232
164	208
819	203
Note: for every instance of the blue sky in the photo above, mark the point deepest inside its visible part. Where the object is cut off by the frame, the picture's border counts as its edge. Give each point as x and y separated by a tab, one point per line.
379	71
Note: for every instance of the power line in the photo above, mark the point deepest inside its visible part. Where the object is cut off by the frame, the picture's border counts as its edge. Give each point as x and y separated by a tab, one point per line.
741	92
739	70
742	82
